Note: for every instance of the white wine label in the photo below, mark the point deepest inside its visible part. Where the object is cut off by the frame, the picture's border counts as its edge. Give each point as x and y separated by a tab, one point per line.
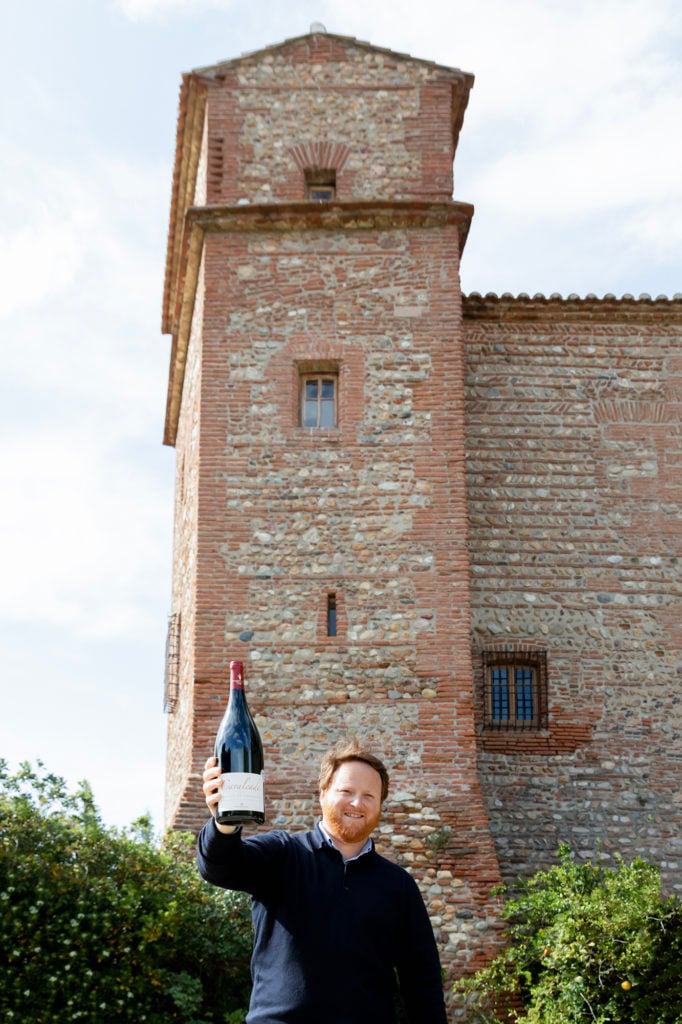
241	791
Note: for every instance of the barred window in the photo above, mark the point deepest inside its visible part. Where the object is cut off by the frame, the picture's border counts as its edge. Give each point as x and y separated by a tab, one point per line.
515	684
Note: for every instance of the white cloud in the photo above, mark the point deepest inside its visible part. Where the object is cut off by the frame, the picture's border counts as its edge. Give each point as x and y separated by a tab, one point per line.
84	273
85	381
548	66
62	224
84	527
143	10
657	229
37	261
44	223
90	710
602	165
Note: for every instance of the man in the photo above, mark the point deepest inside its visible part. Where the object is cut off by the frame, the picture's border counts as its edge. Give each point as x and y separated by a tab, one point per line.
338	929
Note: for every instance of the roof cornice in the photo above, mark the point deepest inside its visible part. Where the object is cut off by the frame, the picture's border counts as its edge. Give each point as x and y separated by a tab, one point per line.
303	215
573	308
215	70
190	128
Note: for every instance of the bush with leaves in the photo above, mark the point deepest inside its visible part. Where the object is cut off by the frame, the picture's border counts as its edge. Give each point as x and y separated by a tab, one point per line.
104	925
587	944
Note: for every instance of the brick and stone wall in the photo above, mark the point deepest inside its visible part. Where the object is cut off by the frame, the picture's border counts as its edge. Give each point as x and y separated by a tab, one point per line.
504	475
574	448
180	733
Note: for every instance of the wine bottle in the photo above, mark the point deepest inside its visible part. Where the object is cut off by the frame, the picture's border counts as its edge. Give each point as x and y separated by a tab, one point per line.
239	750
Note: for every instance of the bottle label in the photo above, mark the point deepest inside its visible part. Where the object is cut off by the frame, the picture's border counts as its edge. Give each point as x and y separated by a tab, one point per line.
242	791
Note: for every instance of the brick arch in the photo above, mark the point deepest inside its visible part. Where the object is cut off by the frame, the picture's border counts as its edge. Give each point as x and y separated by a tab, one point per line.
515	646
318	155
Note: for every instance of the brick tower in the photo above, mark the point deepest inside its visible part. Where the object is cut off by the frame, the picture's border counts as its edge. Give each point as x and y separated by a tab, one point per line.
316	404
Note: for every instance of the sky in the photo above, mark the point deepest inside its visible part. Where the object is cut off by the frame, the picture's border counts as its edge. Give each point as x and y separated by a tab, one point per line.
571	152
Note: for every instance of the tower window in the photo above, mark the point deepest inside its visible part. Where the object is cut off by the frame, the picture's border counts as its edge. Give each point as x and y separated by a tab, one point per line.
319	399
320	186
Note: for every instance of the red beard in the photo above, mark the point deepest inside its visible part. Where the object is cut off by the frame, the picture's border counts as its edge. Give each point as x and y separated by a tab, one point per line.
348	829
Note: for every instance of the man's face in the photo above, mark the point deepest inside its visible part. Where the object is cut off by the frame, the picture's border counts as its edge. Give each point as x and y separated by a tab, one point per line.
351	804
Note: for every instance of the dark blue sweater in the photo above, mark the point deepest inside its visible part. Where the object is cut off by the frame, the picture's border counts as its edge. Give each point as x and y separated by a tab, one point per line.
330	937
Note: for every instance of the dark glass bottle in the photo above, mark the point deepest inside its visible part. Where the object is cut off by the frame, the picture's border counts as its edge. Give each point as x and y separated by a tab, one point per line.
239	750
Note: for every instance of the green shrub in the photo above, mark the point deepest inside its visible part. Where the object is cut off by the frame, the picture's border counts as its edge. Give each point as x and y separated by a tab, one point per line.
587	944
104	925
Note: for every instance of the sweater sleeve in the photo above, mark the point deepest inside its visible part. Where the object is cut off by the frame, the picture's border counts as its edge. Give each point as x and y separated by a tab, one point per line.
232	862
419	969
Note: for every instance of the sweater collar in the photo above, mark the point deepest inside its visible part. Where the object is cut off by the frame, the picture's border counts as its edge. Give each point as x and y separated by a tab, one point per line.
322	838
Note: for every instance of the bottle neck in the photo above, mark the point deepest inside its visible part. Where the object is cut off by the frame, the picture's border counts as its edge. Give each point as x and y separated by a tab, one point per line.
237	698
236	675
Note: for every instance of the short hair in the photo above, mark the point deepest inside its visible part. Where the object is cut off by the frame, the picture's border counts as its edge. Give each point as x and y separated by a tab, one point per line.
351	750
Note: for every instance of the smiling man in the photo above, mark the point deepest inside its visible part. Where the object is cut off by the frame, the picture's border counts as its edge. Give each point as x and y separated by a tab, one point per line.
340	932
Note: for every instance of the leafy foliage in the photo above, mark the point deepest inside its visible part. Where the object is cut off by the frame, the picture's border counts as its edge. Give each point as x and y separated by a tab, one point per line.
102	925
587	944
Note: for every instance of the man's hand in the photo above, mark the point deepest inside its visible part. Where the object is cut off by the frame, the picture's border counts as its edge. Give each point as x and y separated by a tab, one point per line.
212	787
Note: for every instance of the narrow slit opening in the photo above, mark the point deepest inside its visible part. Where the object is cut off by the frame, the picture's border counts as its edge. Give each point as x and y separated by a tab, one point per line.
331	614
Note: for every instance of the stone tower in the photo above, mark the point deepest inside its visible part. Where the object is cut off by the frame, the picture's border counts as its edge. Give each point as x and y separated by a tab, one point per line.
316	405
